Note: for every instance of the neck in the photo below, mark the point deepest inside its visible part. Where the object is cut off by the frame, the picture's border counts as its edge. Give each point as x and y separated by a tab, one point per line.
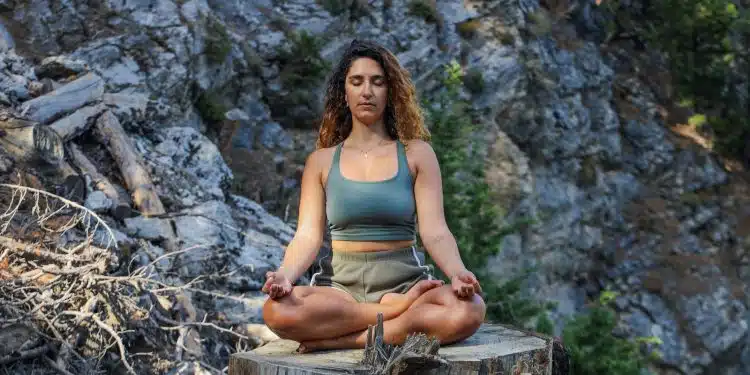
368	134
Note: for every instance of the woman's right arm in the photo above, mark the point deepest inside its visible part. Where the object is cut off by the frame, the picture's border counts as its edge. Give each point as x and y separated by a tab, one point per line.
308	238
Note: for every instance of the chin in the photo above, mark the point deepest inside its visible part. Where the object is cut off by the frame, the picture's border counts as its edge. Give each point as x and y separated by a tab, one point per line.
369	118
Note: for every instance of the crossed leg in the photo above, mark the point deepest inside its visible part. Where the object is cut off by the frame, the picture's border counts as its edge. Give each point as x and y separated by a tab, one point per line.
315	312
437	312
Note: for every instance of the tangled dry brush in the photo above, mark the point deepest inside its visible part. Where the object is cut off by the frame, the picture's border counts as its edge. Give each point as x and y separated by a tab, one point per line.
70	305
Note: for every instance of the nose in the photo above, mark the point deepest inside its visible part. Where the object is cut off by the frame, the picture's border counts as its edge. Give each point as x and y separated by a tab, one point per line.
367	91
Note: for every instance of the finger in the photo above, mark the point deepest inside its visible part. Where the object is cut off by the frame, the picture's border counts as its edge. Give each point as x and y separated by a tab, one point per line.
266	286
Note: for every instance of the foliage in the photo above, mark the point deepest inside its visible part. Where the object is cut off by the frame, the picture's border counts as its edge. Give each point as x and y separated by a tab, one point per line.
474	81
425	9
593	348
705	42
468	29
357	8
301	65
469	211
472	218
210	108
301	72
218	45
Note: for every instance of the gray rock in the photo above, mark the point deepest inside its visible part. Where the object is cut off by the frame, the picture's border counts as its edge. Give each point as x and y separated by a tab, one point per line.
56	67
273	135
149	228
197	160
97	201
244	136
69	97
717	319
14	86
258	218
129	108
6	40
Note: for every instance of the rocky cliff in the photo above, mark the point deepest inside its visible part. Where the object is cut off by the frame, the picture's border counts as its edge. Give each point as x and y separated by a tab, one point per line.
219	100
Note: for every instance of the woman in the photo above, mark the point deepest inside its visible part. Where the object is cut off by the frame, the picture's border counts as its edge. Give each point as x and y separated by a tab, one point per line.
372	175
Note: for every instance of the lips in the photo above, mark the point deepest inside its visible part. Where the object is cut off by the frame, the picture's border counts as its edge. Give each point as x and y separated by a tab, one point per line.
366	105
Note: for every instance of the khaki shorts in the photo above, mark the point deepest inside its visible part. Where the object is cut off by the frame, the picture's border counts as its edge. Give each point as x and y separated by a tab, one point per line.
367	276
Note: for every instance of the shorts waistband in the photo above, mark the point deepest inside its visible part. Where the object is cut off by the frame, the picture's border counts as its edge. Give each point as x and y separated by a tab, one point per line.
406	252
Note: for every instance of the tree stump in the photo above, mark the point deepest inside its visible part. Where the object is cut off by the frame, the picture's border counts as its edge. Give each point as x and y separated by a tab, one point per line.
493	349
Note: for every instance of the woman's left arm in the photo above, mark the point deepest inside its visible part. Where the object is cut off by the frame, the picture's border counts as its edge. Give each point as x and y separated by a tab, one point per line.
433	229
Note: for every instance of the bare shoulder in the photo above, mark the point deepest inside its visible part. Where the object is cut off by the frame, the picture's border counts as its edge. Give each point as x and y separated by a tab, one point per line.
319	162
420	152
319	158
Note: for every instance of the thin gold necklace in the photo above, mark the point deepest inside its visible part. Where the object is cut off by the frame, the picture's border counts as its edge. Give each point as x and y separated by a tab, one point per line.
368	150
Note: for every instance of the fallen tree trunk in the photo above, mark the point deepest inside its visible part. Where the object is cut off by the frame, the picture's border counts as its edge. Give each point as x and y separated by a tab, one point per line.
120	209
69	97
110	133
28	141
77	122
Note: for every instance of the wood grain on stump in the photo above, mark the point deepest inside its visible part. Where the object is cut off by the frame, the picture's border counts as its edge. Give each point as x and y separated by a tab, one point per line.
493	349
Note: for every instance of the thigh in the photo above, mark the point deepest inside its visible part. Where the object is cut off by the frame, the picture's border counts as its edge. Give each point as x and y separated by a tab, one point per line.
303	291
445	296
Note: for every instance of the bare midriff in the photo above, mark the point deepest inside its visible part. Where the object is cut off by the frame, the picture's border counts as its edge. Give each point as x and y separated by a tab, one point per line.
368	246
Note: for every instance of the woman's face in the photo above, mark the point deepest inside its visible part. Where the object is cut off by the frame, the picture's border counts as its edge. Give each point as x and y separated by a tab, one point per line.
366	90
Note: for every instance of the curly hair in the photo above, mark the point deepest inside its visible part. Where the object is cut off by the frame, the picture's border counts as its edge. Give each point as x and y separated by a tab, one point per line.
403	117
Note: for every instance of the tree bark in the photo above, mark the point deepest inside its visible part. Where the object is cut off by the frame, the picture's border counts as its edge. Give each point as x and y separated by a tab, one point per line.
29	141
110	133
120	209
493	349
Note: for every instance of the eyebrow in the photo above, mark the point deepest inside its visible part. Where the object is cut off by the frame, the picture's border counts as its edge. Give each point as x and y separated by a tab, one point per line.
375	76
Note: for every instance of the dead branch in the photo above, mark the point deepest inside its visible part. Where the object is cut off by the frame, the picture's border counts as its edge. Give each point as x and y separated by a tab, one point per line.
25	354
418	353
110	133
119	209
27	141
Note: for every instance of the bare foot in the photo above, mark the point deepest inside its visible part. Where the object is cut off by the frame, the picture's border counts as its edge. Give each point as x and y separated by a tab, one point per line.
403	301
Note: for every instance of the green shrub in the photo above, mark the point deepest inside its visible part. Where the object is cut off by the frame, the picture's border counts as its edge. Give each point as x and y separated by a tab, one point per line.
218	45
468	29
472	218
469	211
210	108
473	81
301	72
706	43
300	63
424	9
593	348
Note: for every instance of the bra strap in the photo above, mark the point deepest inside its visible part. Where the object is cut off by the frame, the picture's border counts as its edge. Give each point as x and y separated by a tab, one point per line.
402	162
336	158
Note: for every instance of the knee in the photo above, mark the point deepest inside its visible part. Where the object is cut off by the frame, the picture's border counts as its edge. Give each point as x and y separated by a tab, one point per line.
278	315
468	317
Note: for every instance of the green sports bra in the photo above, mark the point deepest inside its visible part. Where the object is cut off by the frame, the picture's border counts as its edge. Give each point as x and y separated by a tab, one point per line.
371	210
